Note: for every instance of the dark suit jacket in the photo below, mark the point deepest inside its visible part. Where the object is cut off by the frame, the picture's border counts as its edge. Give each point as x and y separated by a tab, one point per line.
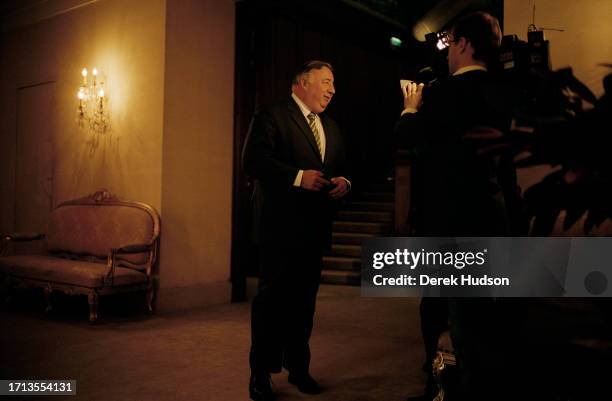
278	145
456	192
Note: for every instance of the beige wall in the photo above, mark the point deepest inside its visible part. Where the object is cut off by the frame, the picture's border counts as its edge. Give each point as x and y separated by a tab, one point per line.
126	40
585	41
197	153
170	73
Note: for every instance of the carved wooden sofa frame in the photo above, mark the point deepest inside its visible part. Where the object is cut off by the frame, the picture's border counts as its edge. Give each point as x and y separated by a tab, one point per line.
96	245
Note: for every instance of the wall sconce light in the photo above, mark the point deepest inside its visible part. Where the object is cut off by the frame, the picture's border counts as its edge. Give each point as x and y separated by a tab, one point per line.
93	102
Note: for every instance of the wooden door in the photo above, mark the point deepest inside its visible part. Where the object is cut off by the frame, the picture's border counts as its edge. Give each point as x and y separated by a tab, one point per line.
34	170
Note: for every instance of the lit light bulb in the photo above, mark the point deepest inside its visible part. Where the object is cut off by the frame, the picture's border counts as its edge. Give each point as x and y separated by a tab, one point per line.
81	94
101	93
84	72
95	71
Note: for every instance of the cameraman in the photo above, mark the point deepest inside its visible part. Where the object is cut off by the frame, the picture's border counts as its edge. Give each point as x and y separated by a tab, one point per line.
457	189
460	194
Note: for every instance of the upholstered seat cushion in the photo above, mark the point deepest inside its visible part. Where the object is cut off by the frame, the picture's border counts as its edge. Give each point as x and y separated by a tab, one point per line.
74	272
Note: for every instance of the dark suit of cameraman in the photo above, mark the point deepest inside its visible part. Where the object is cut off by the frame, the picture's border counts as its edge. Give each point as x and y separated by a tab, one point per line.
465	186
457	192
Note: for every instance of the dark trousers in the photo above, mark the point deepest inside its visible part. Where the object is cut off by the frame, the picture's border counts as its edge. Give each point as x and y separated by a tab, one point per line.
434	322
283	309
489	350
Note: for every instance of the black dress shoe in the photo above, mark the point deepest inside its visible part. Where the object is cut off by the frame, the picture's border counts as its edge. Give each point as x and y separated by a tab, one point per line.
260	388
305	383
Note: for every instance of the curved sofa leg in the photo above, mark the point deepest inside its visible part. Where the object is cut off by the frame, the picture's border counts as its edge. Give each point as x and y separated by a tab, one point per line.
150	297
92	297
47	291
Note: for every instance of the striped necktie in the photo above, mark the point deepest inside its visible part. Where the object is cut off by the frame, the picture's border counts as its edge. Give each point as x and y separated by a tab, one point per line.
315	131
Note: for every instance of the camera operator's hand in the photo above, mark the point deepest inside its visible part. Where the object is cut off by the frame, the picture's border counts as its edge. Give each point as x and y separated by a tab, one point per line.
413	96
313	180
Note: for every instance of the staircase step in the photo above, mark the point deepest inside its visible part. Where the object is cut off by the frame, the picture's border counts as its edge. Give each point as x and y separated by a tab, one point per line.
340	277
353	251
350	238
372	206
341	263
386	186
361	227
377	196
354	215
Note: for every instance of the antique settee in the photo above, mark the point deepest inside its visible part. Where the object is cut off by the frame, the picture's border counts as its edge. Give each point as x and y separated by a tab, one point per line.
95	245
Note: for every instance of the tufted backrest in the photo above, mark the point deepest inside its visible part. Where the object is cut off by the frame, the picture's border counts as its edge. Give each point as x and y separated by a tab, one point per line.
93	225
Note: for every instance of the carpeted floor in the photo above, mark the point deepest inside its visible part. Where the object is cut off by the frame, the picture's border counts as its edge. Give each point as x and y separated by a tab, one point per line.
363	349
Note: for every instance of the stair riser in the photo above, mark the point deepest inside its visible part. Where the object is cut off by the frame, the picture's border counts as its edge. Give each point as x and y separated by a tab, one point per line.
372	206
348	252
342	240
372	217
347	227
335	265
340	280
381	187
377	197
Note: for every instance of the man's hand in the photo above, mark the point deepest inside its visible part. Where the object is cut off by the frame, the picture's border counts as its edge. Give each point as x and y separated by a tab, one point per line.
413	95
340	189
312	180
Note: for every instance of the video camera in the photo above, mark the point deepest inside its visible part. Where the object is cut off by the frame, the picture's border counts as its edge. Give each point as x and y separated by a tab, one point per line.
548	105
514	54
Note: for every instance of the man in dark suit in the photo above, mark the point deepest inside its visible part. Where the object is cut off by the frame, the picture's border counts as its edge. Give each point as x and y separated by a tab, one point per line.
296	157
459	190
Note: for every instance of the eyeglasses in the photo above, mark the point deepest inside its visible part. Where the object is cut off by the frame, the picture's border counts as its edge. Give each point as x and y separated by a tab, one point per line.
444	40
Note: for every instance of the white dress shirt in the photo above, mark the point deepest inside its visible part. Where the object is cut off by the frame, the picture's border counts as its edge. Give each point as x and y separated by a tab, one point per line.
306	111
